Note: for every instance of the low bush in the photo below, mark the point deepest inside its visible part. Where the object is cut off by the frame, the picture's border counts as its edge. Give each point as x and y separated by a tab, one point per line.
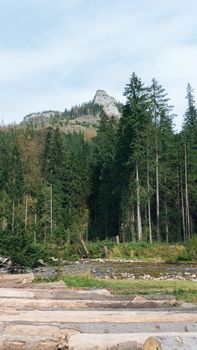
191	247
21	250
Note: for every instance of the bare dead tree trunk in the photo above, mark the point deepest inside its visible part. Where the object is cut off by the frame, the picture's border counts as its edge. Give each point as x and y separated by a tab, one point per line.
4	220
183	211
146	228
179	202
123	225
13	215
4	224
148	202
166	222
26	211
68	235
117	239
17	216
35	233
105	250
132	224
51	208
187	197
157	191
106	225
157	179
84	245
139	220
166	214
45	232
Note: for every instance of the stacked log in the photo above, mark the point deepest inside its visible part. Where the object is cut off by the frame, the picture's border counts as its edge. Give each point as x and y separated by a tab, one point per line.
53	317
169	342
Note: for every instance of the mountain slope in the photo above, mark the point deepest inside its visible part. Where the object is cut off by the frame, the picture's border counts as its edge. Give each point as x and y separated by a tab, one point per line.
86	114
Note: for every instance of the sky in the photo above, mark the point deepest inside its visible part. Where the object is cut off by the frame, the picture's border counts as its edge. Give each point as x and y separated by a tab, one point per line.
57	53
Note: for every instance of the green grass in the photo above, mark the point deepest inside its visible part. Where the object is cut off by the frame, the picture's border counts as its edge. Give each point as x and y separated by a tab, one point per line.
143	251
181	290
138	251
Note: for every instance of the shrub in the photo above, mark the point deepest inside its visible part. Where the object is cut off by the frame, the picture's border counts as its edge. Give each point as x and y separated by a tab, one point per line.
96	249
21	250
191	247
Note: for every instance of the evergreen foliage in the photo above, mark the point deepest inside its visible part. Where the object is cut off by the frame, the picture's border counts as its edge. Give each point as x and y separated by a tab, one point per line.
137	178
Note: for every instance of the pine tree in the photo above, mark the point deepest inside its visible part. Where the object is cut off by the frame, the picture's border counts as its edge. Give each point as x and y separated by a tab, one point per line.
160	111
52	170
189	147
15	183
190	118
132	148
75	183
102	211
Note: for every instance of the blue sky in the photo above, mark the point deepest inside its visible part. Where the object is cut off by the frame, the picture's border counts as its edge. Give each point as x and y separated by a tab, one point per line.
56	53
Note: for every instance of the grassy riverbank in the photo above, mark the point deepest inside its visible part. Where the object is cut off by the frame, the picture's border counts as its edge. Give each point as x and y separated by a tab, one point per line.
181	290
130	250
23	252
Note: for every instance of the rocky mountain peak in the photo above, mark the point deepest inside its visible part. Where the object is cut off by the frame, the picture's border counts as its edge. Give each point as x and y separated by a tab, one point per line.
108	103
85	113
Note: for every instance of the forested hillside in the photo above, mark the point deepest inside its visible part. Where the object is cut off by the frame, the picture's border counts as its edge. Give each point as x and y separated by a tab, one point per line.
137	177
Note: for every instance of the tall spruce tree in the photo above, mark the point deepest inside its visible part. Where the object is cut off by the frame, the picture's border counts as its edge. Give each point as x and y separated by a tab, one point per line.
52	170
15	183
103	208
190	118
75	186
189	148
131	149
160	111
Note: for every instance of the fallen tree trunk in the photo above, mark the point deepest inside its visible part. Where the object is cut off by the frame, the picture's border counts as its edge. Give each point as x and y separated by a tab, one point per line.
31	343
44	304
124	341
72	342
85	248
167	342
90	316
33	337
18	278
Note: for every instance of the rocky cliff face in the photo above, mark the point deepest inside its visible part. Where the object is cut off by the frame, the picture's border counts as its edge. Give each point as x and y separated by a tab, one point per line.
108	103
40	118
87	113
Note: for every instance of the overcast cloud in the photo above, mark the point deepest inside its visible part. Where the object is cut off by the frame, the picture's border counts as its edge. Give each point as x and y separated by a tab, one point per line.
56	53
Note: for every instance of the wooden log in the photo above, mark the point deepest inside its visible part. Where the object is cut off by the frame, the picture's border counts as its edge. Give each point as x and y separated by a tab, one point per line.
101	328
44	304
35	330
91	316
169	342
33	337
47	338
54	293
124	341
31	343
49	343
17	278
105	341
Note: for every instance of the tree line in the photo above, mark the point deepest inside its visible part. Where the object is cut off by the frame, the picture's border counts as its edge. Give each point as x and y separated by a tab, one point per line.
146	172
137	178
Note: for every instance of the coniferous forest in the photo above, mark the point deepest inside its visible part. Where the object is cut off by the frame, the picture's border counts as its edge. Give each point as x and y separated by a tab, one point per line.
137	178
